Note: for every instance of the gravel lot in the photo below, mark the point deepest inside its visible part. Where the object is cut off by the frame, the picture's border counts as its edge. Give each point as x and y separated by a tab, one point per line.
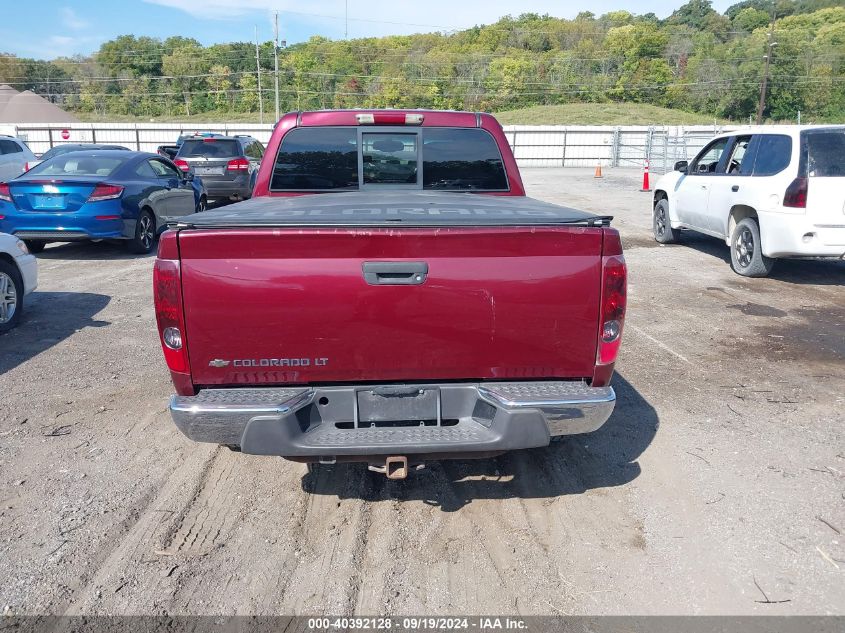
717	487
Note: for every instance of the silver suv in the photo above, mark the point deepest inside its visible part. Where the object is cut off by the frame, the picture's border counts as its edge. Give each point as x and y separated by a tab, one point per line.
15	157
227	165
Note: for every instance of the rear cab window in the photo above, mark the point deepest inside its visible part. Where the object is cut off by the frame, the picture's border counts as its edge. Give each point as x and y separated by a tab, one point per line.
389	158
823	153
317	159
365	157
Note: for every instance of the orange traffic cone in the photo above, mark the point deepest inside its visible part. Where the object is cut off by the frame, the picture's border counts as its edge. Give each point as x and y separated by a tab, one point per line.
646	185
598	170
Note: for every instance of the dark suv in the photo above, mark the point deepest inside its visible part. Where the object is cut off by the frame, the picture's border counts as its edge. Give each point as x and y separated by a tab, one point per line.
227	164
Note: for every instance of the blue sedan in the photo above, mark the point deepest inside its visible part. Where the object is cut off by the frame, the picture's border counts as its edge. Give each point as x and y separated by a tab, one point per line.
98	195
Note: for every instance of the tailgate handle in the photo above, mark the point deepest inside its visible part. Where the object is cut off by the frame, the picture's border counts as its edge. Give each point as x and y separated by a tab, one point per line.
395	273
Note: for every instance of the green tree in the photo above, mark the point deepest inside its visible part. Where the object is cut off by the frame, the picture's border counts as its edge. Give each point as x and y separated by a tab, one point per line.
750	18
186	66
248	96
694	13
129	54
220	87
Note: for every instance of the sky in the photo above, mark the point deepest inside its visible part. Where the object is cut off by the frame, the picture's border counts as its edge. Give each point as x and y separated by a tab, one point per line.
45	29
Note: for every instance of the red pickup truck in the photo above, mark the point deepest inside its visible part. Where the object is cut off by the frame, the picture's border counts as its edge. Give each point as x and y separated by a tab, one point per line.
389	295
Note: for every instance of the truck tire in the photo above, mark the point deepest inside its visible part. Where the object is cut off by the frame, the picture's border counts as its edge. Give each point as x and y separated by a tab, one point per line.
11	296
35	246
747	257
145	234
663	231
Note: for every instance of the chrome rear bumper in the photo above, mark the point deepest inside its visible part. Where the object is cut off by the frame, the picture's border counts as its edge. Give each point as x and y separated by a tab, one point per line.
348	420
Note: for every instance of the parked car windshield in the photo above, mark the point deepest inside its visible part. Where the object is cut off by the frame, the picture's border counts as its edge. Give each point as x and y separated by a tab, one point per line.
209	148
77	165
825	153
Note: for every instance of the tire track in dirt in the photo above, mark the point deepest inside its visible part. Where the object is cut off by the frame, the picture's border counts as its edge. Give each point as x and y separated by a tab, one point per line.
211	512
267	590
334	537
125	563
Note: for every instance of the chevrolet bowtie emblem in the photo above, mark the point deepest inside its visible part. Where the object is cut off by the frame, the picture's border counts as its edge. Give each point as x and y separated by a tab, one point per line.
218	362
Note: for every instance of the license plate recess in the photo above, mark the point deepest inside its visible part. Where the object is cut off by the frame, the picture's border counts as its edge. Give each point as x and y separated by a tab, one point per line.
398	404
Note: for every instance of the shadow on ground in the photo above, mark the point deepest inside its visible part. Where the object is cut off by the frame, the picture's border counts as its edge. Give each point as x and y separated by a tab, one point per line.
825	272
606	458
89	251
49	318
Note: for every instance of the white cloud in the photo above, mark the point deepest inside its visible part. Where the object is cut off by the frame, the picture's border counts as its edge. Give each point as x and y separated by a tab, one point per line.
60	40
72	21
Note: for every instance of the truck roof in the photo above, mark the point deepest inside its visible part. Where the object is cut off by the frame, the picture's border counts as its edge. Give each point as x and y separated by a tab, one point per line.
424	118
391	208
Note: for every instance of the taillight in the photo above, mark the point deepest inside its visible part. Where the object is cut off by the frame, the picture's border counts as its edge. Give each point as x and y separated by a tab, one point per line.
182	164
167	294
238	164
796	194
614	278
105	192
614	283
5	193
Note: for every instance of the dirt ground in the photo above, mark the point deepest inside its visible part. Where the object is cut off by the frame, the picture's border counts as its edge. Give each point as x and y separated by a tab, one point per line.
717	487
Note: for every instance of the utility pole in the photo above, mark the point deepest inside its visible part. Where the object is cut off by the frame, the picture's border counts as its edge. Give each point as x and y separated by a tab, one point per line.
276	60
768	57
258	72
346	21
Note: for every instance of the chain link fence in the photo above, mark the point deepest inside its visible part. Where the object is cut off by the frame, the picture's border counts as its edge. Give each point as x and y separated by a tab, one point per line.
533	146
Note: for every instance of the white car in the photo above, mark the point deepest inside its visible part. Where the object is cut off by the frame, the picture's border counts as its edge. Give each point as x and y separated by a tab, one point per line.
15	157
18	278
769	192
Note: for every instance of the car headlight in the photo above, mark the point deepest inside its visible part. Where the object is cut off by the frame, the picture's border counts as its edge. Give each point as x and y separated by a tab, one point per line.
22	247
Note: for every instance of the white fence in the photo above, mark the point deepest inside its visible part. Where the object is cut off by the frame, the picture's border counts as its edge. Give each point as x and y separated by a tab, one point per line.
534	146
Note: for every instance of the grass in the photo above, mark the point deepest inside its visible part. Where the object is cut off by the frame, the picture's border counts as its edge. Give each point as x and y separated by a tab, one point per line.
603	114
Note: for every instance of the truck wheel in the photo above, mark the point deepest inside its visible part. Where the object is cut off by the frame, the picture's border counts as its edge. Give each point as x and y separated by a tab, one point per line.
747	257
663	231
145	231
35	246
11	296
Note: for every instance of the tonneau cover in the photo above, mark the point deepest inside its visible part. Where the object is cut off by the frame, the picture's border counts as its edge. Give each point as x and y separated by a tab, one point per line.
405	208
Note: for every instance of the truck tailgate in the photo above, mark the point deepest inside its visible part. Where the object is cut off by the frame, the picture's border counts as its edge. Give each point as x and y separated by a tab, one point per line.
294	305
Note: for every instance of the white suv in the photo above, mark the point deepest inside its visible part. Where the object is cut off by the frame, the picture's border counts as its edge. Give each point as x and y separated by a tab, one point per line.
15	157
769	192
